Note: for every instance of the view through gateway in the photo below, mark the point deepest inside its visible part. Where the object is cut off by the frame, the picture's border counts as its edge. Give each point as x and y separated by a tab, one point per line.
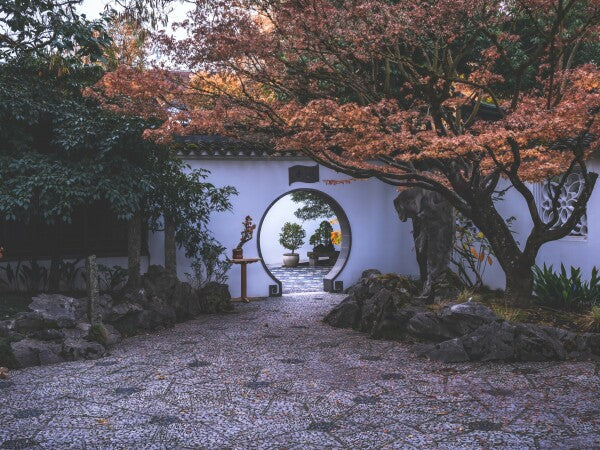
300	240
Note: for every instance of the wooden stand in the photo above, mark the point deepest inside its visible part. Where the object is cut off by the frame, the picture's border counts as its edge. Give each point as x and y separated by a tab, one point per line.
243	262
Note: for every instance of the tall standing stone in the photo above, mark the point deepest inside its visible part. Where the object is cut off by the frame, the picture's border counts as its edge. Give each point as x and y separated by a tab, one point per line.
433	232
93	310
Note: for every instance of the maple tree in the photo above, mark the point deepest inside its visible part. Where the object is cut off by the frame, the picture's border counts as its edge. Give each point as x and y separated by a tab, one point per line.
464	98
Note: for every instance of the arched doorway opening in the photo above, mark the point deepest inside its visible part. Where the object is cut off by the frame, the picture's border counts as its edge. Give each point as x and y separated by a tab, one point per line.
318	267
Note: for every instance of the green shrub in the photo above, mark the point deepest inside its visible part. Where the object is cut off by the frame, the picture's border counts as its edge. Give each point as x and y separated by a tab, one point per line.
322	235
566	290
292	236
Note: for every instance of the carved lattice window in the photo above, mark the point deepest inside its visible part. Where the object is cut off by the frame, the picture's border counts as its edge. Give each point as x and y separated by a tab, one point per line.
567	197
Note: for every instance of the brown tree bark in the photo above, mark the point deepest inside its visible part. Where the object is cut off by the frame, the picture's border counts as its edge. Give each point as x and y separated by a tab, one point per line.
170	247
134	250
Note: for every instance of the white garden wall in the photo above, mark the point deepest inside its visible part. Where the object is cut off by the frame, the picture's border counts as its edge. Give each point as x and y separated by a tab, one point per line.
379	239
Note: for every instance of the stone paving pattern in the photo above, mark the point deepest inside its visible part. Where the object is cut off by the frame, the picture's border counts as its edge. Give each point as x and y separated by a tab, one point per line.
300	279
272	375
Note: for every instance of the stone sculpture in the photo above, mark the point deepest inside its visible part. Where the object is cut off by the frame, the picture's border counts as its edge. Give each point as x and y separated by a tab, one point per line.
433	233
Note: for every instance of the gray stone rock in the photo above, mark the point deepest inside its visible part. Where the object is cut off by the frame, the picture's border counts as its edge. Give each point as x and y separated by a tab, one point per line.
534	343
164	313
491	342
370	273
344	315
112	335
76	349
178	295
214	298
58	310
48	334
451	351
4	329
393	319
590	342
25	322
121	310
31	352
371	309
452	321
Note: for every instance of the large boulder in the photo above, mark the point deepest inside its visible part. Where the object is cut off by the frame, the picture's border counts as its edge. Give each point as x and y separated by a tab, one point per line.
76	349
378	304
25	322
505	341
535	343
490	342
384	306
58	310
4	329
31	352
214	298
451	351
180	296
452	321
345	315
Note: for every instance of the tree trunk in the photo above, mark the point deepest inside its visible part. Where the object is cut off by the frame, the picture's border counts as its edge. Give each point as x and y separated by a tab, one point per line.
516	265
54	272
134	250
519	286
170	247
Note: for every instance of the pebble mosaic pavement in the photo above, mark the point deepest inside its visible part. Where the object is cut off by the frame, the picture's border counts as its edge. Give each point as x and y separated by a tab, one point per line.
300	278
272	375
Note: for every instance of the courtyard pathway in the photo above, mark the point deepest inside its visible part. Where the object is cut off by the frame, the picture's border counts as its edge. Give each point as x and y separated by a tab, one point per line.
272	375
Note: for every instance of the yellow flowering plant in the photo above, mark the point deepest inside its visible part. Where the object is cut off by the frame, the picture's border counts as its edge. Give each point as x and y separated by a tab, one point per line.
336	237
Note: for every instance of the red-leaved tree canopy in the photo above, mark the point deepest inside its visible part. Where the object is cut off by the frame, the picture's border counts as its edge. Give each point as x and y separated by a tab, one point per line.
461	97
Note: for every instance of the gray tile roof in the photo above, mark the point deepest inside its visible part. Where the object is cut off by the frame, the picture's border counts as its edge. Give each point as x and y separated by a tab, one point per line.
212	146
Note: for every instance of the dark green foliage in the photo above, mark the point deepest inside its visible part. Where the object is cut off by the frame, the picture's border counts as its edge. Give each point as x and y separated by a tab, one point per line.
12	303
10	281
314	207
23	276
59	150
49	28
187	198
111	278
209	265
292	236
566	290
69	273
322	236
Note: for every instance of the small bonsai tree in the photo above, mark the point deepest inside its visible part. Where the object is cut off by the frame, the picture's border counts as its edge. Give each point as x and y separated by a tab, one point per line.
292	236
247	232
322	236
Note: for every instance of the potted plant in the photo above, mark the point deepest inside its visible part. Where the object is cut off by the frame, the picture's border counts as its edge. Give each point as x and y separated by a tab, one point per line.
247	232
291	237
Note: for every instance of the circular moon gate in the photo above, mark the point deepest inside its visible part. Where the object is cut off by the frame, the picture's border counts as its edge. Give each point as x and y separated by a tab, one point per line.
330	284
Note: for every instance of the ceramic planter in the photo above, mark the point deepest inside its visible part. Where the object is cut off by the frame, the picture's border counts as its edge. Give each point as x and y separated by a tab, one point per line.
291	259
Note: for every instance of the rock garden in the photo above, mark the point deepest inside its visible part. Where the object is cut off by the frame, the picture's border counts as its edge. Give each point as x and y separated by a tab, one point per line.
58	328
461	330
